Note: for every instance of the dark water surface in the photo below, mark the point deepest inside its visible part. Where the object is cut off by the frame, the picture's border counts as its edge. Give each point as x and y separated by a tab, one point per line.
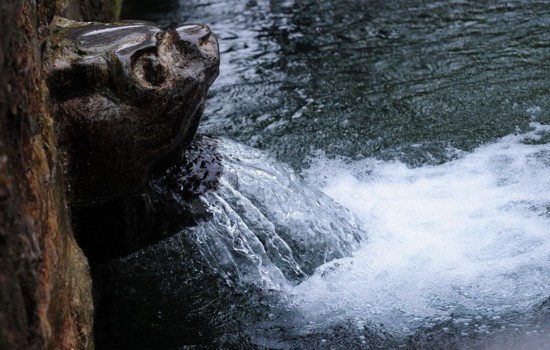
406	80
425	83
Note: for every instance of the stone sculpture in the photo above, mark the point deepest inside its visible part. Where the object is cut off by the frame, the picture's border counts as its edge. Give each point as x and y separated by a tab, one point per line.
127	96
127	100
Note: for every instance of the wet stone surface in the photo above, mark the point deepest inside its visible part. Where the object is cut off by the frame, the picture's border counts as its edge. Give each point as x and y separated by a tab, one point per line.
116	227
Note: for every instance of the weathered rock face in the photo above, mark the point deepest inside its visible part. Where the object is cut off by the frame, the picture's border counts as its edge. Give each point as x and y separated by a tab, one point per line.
45	285
126	96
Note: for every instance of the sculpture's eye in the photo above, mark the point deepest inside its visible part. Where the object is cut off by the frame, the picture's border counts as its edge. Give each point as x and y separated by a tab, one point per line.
149	68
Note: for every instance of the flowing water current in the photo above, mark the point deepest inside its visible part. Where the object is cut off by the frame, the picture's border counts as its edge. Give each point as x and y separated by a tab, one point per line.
466	241
425	125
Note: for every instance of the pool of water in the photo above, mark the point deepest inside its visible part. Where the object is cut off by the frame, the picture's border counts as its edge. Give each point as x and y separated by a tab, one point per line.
429	120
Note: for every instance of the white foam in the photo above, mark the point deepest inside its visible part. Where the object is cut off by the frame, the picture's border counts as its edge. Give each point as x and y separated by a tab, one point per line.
471	236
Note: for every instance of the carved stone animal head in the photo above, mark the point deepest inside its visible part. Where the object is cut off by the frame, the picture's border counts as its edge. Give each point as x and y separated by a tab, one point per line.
126	96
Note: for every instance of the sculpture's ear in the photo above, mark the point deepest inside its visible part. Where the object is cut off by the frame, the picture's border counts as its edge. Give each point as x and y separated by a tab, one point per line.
77	78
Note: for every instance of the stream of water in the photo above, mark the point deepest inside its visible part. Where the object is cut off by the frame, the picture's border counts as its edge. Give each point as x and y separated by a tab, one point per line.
430	122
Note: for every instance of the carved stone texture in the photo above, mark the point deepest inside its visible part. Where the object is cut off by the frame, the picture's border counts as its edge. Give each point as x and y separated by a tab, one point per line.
127	97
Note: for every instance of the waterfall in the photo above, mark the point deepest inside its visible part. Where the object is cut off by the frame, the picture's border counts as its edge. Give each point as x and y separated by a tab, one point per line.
456	252
260	232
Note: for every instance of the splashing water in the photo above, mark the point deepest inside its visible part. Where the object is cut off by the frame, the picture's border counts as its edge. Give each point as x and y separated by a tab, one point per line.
464	242
459	249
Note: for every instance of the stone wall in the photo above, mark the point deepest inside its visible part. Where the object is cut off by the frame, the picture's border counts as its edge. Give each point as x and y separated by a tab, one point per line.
45	284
